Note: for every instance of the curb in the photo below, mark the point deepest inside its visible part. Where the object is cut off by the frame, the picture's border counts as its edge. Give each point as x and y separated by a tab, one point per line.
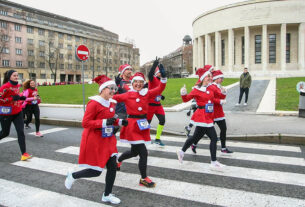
263	138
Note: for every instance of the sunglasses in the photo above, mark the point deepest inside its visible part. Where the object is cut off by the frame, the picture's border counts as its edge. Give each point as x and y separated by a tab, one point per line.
113	88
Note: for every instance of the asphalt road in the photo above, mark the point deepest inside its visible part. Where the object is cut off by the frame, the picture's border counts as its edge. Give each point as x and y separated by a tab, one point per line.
256	175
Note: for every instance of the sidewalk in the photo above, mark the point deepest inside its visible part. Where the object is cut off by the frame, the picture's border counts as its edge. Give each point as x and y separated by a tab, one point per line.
256	122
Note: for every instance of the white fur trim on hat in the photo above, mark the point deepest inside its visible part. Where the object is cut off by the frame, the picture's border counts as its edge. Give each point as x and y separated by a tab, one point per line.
107	83
137	78
204	75
218	76
211	68
127	67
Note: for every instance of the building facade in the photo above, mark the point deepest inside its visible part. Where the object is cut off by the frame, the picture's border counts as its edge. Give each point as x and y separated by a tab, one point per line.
266	36
41	46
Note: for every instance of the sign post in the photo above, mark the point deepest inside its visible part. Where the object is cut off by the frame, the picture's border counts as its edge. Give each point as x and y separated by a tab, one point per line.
82	53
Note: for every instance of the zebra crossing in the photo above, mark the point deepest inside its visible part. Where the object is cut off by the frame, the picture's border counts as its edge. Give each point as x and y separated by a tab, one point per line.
272	176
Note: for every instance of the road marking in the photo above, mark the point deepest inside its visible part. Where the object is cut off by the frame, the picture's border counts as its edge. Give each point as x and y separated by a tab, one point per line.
177	189
16	194
238	144
49	131
236	155
230	171
7	139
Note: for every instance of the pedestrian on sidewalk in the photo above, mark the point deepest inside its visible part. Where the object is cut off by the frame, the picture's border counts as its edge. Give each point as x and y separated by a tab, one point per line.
245	84
30	105
219	116
98	145
11	110
137	133
203	118
154	106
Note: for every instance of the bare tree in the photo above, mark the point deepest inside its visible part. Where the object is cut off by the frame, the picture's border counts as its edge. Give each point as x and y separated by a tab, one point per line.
52	58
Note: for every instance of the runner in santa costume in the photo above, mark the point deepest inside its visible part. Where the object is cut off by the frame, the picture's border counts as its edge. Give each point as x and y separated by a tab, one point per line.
203	118
11	110
98	145
137	132
154	106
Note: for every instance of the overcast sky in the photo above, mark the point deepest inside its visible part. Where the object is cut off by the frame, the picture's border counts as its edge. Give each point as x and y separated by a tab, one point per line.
156	26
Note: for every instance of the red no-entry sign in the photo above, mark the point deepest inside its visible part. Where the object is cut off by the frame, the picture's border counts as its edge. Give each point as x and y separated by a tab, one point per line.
82	52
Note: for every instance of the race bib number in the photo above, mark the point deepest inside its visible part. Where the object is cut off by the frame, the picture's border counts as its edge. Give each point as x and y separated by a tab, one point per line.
34	102
158	98
107	131
209	108
5	110
143	124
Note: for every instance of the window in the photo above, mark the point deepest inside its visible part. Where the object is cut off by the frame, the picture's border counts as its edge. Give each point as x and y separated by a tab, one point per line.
85	67
20	76
69	47
52	76
42	65
69	57
30	41
16	15
60	35
223	52
61	45
242	50
62	66
18	51
5	50
41	31
31	64
41	43
61	56
2	12
28	18
77	67
258	49
98	59
30	52
51	34
5	63
17	27
52	65
30	29
43	76
18	63
69	37
288	48
77	39
69	66
3	24
5	38
18	39
98	51
41	53
272	48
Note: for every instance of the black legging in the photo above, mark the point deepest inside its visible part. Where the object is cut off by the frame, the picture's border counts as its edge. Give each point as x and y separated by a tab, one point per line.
242	91
137	149
17	119
198	134
31	109
110	175
161	119
223	132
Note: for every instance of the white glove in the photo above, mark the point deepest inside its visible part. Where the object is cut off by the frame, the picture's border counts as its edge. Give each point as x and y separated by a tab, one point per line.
223	101
183	91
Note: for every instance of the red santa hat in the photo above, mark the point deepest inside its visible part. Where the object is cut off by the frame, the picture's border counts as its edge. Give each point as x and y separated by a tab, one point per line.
217	74
138	76
157	70
209	67
103	81
202	73
122	68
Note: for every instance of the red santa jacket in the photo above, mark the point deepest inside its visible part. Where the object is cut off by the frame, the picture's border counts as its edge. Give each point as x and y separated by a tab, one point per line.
96	150
151	85
137	105
204	97
30	94
7	105
218	110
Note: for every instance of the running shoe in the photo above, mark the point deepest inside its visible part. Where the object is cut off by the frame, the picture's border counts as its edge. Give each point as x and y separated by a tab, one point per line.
180	155
27	127
38	134
147	182
245	104
194	148
226	151
118	166
25	156
217	166
237	104
159	142
111	199
69	180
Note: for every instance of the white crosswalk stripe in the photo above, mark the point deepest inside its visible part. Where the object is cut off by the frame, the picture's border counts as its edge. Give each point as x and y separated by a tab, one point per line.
287	175
47	131
231	171
176	189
